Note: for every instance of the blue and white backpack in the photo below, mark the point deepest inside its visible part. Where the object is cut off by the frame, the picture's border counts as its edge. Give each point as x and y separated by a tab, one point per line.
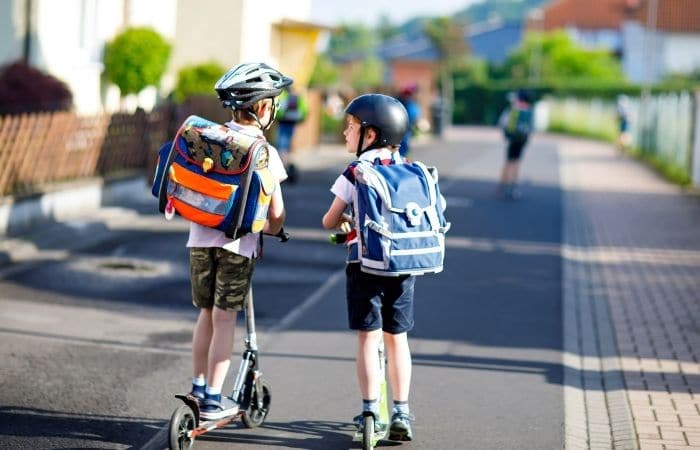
399	218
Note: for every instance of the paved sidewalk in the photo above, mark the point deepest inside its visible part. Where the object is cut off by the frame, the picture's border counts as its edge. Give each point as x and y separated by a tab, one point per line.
631	288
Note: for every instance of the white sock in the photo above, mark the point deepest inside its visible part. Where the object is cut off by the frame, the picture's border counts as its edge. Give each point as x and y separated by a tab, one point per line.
213	391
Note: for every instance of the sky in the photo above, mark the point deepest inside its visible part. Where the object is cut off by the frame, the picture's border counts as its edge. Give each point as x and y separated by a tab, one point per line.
334	12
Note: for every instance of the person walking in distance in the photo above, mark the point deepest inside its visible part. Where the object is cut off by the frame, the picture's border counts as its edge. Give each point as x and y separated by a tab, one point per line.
517	125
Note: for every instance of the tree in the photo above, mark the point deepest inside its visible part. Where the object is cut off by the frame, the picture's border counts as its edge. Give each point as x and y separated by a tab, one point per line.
368	75
136	58
556	58
325	73
197	79
352	39
447	35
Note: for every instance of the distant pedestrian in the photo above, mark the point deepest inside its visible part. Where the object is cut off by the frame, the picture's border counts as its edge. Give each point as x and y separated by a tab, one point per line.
622	110
292	111
517	125
408	100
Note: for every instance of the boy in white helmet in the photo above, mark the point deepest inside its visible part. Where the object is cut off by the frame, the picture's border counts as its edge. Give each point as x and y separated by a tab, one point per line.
221	269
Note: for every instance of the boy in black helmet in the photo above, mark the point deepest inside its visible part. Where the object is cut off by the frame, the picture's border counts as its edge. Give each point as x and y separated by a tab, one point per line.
375	125
221	268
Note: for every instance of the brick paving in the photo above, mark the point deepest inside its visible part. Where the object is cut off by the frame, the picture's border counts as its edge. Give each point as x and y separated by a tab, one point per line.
631	303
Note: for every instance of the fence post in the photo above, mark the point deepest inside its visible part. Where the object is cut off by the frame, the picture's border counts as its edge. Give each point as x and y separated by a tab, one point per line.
695	174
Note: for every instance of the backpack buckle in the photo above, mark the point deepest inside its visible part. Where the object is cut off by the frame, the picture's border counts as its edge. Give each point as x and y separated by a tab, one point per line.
414	213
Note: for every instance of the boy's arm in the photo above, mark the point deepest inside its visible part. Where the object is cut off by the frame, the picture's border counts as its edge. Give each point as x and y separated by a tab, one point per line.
334	217
276	213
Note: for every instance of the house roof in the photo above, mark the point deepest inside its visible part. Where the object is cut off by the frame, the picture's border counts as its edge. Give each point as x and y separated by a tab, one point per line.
490	40
588	14
671	15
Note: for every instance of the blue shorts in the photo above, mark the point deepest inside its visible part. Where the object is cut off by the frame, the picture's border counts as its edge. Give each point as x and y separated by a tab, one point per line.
376	302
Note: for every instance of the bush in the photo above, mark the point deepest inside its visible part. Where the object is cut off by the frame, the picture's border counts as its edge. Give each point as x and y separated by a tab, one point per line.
24	89
136	58
198	79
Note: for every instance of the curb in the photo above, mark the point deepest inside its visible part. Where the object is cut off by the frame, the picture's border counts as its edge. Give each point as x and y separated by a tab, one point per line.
65	201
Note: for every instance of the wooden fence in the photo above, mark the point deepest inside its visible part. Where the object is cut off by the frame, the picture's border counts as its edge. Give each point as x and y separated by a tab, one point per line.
39	149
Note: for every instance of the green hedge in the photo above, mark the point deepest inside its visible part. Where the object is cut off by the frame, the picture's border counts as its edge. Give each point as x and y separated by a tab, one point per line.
481	104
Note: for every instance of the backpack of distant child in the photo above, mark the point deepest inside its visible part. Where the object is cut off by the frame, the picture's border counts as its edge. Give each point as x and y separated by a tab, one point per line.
216	176
518	125
292	108
400	222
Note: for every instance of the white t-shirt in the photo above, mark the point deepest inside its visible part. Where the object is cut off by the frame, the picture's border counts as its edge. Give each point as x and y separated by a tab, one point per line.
344	185
201	236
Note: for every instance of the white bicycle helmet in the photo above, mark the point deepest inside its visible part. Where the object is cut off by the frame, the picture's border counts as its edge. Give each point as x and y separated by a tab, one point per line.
247	83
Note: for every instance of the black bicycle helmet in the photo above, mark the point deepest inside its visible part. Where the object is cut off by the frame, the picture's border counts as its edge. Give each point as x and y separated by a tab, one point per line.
385	114
247	83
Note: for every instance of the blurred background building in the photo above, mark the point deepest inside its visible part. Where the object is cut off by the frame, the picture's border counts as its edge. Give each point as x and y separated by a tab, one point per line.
67	38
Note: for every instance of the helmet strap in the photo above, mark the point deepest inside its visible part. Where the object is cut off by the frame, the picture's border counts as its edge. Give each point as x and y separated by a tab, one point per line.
360	150
255	117
373	145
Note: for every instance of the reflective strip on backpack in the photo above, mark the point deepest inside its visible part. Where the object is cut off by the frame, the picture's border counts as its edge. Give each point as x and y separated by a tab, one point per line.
374	226
198	200
417	251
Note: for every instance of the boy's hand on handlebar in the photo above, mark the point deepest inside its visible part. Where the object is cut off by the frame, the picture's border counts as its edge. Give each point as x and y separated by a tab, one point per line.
282	235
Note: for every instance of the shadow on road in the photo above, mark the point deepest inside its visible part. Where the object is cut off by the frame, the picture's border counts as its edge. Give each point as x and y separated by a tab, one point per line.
54	429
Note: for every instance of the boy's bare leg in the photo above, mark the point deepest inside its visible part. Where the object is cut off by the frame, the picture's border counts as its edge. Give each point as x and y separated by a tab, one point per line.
201	337
399	364
368	363
224	322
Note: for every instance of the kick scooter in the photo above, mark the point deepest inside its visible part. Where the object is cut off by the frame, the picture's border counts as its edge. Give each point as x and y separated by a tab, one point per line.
250	392
368	433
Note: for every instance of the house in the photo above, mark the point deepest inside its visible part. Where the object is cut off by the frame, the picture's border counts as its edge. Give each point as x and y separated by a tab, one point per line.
652	38
412	59
494	39
661	38
67	39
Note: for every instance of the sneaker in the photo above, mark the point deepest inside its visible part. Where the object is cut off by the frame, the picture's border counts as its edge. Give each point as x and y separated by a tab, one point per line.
379	428
198	392
212	409
400	429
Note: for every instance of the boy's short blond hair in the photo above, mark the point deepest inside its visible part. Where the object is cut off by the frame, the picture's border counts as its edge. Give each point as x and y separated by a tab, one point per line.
243	115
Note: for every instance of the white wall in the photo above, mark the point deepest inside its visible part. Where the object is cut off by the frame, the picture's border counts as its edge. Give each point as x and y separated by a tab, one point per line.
11	30
681	53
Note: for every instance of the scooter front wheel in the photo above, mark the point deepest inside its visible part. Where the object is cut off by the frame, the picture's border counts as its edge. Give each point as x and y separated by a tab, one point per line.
368	432
259	406
182	423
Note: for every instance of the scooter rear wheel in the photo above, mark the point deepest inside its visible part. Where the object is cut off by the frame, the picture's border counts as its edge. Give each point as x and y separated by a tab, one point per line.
255	415
182	422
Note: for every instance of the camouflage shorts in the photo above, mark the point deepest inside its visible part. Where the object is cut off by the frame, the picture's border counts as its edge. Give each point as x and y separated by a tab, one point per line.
219	277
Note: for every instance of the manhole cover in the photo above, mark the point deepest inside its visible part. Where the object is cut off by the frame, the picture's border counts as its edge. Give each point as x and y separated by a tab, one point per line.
128	267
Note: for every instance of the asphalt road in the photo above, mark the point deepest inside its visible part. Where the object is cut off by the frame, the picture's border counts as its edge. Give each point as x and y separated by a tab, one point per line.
95	318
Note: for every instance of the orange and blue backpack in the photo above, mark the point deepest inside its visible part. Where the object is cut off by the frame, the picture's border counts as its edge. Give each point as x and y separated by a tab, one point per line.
215	175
